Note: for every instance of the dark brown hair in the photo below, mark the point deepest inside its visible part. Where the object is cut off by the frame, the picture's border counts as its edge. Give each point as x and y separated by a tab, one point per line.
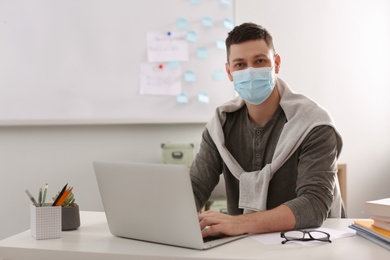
247	32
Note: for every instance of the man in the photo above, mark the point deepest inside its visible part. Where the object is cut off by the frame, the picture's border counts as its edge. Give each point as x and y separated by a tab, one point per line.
276	149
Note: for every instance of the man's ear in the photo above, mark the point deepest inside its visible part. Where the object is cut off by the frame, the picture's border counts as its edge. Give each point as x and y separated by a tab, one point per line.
278	61
228	71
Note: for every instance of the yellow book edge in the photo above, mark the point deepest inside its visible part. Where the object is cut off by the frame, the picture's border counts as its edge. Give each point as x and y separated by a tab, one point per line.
367	225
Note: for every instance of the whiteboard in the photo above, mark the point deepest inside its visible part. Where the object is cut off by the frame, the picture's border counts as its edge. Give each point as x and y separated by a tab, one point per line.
78	62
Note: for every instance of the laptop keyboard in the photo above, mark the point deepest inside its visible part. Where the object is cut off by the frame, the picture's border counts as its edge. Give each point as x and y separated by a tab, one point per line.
212	238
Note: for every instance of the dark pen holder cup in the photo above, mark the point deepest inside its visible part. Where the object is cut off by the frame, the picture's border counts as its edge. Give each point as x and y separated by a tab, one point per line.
70	217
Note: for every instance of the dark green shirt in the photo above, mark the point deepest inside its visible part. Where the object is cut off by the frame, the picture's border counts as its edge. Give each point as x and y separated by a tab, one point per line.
305	183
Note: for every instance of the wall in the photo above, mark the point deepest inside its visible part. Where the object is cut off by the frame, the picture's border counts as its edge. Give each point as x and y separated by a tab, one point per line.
350	67
337	53
33	155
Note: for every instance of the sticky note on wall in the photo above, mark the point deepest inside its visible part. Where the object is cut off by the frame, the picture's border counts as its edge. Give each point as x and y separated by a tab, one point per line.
207	22
181	23
192	36
202	53
189	76
220	44
182	98
174	64
228	23
203	98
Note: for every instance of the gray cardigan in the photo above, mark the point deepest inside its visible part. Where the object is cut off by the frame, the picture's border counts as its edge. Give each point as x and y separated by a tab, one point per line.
302	116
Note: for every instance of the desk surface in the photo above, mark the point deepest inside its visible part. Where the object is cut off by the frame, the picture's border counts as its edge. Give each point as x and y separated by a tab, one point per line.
94	241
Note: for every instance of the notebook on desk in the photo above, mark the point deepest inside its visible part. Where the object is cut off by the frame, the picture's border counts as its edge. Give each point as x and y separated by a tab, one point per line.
151	202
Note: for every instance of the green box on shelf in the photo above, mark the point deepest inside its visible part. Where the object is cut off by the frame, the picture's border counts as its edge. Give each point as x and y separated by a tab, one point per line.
175	153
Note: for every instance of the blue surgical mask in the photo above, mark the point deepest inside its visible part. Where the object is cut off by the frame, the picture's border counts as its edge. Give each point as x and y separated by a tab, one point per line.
254	85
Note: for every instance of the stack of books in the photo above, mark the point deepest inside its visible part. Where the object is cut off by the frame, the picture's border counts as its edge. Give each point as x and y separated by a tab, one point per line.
377	228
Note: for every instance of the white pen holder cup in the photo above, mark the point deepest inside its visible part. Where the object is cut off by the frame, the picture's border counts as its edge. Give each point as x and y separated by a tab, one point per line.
45	222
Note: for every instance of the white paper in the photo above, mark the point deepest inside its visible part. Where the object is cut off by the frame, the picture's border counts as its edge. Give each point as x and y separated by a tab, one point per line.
160	79
275	239
167	46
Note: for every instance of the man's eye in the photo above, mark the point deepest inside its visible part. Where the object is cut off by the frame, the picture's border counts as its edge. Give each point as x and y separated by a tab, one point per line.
238	65
260	61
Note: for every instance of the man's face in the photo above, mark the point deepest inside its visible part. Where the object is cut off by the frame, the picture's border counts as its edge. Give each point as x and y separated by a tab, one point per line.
254	54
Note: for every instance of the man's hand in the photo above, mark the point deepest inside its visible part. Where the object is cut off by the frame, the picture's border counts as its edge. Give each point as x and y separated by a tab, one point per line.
212	222
278	219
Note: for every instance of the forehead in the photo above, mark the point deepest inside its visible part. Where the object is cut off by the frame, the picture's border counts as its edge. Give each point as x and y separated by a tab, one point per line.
249	49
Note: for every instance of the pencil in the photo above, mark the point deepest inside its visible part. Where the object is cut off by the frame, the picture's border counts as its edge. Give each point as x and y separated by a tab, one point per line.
64	196
59	195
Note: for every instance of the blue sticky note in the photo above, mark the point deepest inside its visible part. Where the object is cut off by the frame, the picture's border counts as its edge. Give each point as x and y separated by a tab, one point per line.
192	36
218	75
221	44
182	98
202	53
194	2
181	23
189	76
228	23
174	64
225	2
203	98
207	22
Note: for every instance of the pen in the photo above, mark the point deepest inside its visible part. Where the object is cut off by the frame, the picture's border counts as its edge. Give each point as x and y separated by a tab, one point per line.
59	195
44	194
32	198
40	198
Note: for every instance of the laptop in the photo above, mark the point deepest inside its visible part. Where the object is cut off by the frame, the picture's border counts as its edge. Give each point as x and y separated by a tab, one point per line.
151	202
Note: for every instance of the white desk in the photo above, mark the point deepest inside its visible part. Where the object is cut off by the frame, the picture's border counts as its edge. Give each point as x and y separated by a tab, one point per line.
94	241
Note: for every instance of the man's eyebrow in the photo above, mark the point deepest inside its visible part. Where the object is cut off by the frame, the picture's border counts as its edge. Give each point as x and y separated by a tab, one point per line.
260	55
238	59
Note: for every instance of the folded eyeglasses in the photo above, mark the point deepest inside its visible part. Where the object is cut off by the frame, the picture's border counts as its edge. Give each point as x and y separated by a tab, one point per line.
302	235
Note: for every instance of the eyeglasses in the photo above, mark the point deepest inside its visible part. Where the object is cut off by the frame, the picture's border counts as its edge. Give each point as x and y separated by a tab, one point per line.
302	235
